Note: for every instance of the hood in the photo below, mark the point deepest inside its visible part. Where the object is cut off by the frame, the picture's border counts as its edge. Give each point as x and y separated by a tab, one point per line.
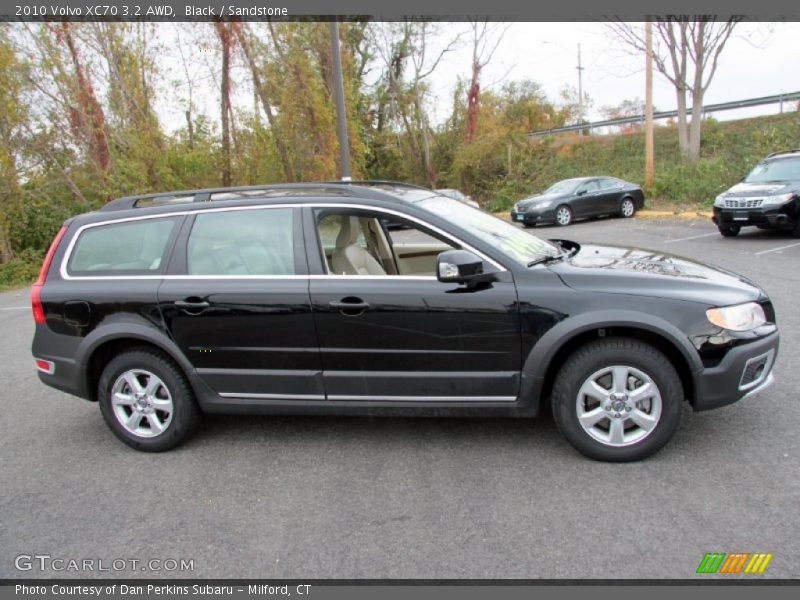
539	197
639	272
762	189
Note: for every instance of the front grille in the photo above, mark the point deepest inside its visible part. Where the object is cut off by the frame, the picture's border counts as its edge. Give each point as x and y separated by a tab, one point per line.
743	202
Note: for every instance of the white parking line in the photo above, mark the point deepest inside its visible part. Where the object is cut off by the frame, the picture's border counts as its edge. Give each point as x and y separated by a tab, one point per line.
15	308
693	237
778	248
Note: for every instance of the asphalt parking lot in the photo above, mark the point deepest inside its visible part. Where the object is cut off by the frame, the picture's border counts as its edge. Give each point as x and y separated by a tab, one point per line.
320	497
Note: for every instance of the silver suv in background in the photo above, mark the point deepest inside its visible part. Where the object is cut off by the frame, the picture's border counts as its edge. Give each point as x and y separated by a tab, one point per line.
767	198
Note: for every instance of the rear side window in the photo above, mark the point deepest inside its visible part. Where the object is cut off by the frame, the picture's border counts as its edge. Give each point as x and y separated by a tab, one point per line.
133	247
242	242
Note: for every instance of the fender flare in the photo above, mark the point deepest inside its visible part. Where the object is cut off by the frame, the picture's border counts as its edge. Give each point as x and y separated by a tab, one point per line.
539	359
135	331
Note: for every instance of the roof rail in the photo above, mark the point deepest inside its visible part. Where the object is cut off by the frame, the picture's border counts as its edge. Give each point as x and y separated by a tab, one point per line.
360	189
796	150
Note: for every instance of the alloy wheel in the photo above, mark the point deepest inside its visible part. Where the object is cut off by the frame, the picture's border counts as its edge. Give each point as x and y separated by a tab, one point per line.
142	403
628	208
619	405
563	215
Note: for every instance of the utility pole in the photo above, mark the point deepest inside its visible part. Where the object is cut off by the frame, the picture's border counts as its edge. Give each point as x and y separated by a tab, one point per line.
580	85
338	95
648	109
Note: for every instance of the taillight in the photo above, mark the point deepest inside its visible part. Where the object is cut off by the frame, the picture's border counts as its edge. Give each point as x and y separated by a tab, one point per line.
36	290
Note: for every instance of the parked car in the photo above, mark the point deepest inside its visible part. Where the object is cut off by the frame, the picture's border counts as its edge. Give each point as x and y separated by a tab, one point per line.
460	196
296	299
767	198
579	198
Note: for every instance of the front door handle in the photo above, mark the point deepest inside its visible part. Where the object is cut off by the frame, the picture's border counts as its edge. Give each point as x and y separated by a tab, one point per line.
191	304
350	306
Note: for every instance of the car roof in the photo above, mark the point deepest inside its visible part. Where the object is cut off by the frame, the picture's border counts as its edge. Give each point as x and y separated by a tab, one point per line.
783	154
361	192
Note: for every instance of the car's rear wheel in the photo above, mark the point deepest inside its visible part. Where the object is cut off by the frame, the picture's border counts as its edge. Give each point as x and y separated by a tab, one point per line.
617	399
729	230
146	401
627	208
563	215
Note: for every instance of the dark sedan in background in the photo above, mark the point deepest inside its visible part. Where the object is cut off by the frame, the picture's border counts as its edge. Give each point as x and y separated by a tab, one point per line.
579	198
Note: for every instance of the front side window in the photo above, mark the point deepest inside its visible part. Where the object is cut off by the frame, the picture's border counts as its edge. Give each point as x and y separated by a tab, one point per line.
362	243
242	242
132	247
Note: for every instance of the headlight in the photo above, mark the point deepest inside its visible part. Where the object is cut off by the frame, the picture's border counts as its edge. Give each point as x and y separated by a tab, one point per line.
542	204
741	317
777	200
720	200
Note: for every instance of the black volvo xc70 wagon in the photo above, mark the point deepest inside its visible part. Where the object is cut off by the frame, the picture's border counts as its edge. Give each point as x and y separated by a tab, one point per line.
305	299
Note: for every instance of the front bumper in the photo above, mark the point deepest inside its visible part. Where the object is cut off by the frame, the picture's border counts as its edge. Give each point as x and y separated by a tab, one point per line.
534	216
776	217
744	371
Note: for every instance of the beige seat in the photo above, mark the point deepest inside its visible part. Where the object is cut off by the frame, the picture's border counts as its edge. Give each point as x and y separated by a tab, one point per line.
348	257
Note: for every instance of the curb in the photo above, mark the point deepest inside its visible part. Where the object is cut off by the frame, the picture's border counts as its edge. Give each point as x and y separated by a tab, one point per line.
648	214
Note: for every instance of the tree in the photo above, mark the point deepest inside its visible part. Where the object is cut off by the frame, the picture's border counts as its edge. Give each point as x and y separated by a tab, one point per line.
408	63
686	51
262	93
226	40
483	48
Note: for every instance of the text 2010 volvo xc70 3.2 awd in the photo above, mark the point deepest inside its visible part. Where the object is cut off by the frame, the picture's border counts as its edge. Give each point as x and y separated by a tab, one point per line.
381	298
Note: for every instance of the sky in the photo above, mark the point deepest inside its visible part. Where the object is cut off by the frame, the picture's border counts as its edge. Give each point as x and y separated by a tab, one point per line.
761	59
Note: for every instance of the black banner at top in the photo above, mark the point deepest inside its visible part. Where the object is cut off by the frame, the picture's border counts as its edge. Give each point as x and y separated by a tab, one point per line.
451	10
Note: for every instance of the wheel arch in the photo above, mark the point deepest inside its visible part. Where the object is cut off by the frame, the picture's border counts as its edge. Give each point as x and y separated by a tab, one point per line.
98	350
550	352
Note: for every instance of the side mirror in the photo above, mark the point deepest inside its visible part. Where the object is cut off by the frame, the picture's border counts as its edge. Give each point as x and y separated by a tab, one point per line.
581	192
461	266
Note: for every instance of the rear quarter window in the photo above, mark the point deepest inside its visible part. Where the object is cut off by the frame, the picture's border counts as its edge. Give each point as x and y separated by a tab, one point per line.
132	247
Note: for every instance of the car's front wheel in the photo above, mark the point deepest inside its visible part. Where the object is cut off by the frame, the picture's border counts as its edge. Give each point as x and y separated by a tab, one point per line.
729	230
617	399
146	401
563	215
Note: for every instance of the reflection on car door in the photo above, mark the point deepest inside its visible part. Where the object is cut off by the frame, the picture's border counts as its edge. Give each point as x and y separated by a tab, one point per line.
585	204
407	338
609	197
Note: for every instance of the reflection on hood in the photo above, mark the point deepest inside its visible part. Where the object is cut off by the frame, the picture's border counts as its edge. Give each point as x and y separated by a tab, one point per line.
757	188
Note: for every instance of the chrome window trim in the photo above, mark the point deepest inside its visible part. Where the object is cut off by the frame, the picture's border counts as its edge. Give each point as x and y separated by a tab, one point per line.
71	246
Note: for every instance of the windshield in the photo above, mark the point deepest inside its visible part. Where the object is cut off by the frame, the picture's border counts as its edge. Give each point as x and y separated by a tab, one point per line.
563	187
518	245
782	169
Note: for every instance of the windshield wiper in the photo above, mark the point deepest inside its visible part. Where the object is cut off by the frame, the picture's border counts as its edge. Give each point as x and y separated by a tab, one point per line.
548	259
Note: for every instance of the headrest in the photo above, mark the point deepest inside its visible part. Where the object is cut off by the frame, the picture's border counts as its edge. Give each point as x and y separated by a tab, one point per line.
348	232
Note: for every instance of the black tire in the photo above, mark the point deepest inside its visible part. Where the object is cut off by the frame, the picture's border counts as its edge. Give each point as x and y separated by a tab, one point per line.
184	416
593	358
568	212
729	230
528	225
796	230
627	208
